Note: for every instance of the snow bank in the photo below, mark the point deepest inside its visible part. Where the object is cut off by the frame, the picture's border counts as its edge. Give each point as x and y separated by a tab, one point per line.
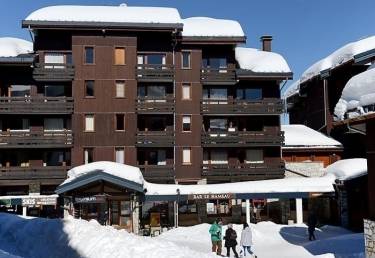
116	169
347	169
338	57
357	93
302	136
122	13
210	27
261	61
292	90
12	47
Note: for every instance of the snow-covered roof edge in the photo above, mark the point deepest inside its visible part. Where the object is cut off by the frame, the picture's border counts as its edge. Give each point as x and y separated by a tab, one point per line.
13	47
292	90
347	169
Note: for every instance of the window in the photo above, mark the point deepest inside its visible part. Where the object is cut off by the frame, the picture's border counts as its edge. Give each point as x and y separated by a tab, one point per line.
186	156
120	122
186	88
120	89
20	90
120	155
153	59
54	90
218	124
186	59
219	157
89	55
88	155
187	207
53	124
89	88
119	56
186	123
249	94
215	93
222	207
215	63
89	123
254	156
54	158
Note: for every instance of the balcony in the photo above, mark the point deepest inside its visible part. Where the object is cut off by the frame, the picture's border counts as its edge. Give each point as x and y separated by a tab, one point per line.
243	171
231	106
38	139
158	173
36	105
155	73
53	72
242	138
155	105
218	76
155	139
13	174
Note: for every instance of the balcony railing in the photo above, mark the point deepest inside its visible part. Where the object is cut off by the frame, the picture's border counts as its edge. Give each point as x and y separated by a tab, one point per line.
30	173
155	138
243	171
43	139
216	76
155	73
53	72
36	105
242	138
158	173
155	104
232	106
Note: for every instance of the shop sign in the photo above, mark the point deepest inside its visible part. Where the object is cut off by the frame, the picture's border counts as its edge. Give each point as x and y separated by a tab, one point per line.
90	199
39	201
224	196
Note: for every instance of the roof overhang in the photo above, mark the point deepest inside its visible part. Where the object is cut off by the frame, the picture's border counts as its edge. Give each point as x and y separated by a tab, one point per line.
73	25
311	149
247	74
17	61
365	57
95	176
212	40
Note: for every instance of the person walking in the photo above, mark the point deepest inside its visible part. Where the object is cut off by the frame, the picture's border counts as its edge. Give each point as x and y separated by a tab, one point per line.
246	239
216	232
311	223
231	240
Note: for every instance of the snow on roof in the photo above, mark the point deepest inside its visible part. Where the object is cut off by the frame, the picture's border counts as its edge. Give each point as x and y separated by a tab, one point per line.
127	172
338	57
292	90
347	169
12	47
210	27
122	13
358	92
261	61
301	136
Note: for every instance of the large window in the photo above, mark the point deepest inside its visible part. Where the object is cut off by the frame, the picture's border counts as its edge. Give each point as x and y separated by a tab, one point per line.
20	90
186	91
186	156
54	158
186	59
215	93
249	94
120	155
120	56
120	122
254	156
120	89
53	58
219	207
89	88
152	59
54	90
53	124
89	123
219	157
153	91
186	123
88	155
215	63
89	55
218	124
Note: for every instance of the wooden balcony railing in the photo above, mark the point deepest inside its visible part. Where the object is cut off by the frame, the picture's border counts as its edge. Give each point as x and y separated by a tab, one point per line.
232	106
43	139
243	138
243	171
30	173
155	138
155	104
216	76
36	105
53	72
158	173
155	73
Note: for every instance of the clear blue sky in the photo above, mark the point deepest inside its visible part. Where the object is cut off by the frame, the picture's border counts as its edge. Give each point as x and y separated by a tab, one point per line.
304	30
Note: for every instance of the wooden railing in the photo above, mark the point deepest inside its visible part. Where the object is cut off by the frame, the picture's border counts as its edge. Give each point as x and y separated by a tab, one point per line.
36	105
53	72
218	76
155	72
244	171
232	106
30	139
26	173
243	138
155	138
158	173
155	104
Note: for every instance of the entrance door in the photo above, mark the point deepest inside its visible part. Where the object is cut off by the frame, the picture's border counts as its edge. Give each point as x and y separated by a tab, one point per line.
121	215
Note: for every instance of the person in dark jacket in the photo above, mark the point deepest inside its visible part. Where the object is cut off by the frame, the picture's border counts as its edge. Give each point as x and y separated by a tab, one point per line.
231	240
311	223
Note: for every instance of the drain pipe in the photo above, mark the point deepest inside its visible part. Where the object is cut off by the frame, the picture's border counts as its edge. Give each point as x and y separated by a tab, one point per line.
325	104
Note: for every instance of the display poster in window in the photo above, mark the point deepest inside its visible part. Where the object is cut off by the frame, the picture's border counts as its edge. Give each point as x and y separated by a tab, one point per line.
211	208
155	219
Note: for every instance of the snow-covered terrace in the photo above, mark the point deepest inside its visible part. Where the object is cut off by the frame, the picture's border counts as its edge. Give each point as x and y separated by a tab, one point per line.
15	50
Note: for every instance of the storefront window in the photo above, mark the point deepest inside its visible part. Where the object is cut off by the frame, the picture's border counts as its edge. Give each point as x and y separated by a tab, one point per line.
187	207
219	207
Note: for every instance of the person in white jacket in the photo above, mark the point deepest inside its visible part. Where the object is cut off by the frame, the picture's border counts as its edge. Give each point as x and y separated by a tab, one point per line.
246	239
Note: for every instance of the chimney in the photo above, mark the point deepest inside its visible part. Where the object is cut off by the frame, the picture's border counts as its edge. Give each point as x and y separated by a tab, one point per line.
266	43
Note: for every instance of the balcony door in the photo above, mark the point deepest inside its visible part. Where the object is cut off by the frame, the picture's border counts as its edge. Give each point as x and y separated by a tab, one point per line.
153	60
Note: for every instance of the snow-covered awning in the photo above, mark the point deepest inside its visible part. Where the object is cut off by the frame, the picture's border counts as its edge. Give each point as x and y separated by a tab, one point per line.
347	169
110	16
13	47
301	136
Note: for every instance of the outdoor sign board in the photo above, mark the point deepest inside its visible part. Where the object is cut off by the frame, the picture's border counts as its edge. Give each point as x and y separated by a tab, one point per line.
90	199
224	196
38	201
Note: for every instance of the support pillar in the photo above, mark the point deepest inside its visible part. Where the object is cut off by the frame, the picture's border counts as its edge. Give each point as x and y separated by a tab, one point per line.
176	214
299	211
248	211
24	211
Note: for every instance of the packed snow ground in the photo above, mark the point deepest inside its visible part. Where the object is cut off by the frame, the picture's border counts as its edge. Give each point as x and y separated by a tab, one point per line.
36	237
